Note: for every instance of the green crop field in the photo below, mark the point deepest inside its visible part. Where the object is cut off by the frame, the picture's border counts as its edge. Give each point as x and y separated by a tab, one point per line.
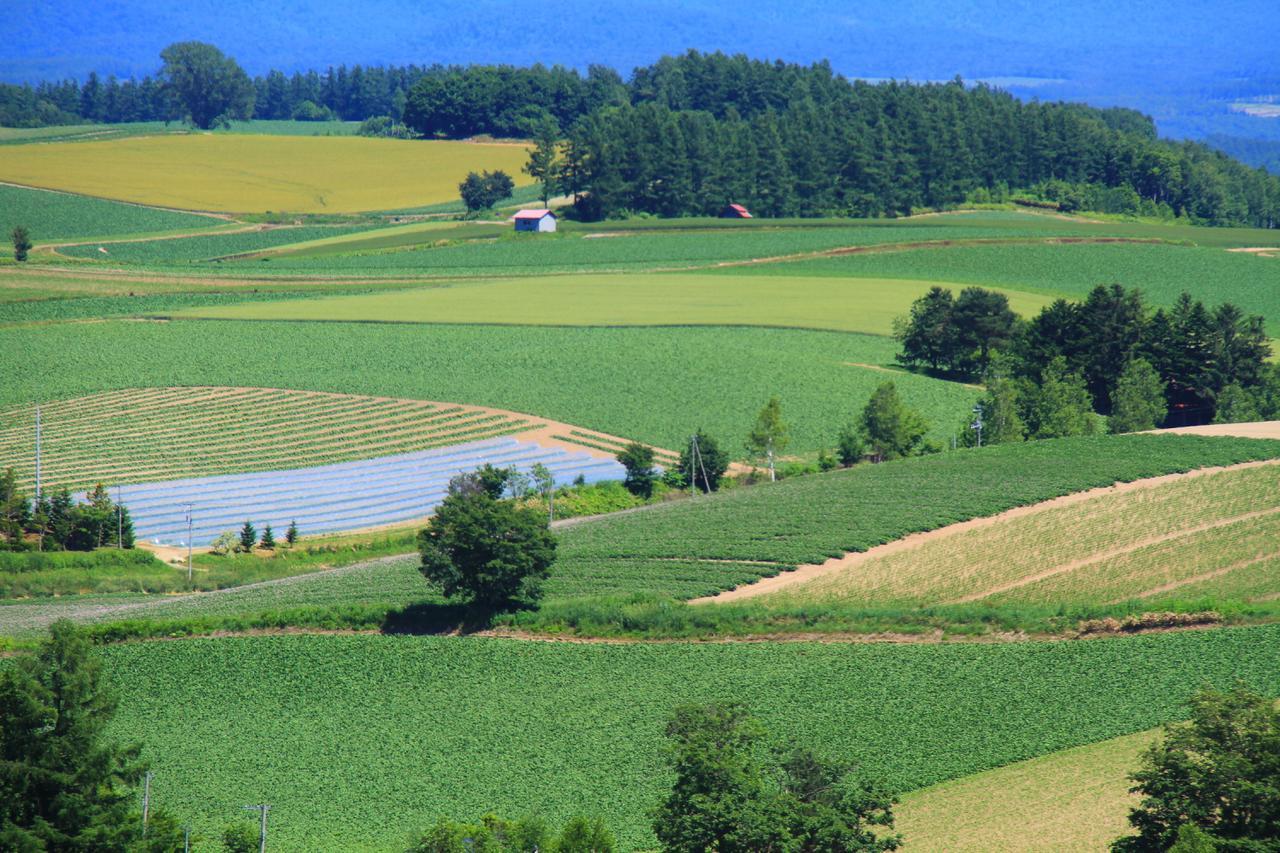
1076	799
258	172
625	249
811	519
655	385
1161	271
144	435
1215	533
363	741
205	247
708	544
859	305
53	216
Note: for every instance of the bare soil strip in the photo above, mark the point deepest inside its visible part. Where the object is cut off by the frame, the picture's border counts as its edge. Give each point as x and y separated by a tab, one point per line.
805	573
1256	429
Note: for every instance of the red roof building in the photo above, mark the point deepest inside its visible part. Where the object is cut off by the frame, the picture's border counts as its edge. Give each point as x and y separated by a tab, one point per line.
735	211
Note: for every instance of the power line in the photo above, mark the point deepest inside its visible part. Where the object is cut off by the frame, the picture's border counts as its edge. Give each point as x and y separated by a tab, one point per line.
262	831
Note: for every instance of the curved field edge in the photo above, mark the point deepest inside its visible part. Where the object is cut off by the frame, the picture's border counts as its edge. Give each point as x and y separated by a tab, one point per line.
1075	799
1082	508
698	547
656	385
257	173
569	728
150	434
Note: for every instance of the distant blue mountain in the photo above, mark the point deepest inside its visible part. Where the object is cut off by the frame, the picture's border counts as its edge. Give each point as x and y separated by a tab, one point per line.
1183	61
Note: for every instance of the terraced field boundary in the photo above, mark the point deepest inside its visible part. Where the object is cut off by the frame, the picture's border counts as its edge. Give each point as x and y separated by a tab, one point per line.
149	434
810	577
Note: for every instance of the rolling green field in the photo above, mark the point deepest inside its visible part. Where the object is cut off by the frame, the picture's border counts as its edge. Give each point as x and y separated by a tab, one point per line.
1162	271
708	544
656	385
858	305
1212	536
147	435
363	741
811	519
632	249
208	247
53	216
259	172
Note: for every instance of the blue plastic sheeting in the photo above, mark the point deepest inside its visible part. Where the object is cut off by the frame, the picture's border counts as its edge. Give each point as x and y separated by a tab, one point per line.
334	498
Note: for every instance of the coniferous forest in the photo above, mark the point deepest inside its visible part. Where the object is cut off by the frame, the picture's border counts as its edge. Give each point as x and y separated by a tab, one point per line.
692	132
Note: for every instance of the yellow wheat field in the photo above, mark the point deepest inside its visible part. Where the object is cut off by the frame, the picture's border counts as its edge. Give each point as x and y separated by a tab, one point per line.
253	174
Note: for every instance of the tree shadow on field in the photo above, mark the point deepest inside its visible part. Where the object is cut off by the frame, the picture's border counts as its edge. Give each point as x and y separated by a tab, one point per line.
434	617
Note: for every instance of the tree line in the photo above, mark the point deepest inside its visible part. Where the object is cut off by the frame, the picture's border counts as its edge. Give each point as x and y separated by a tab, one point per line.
1110	354
57	522
691	132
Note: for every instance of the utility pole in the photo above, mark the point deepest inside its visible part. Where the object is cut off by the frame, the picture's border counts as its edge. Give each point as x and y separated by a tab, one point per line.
186	839
262	832
146	801
188	544
977	421
37	453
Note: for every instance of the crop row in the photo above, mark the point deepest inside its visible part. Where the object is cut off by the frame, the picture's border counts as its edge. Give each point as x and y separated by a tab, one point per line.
59	216
337	497
811	519
653	384
162	433
384	733
1101	539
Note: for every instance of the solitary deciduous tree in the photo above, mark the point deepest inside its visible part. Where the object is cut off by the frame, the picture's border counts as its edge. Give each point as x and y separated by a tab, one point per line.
891	428
769	436
21	242
484	550
482	191
210	85
638	460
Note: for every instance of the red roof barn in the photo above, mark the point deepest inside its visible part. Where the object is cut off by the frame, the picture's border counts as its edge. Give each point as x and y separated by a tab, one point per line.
539	219
735	211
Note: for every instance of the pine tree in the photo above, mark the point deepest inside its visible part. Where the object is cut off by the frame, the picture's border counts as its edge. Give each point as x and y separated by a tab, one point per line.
248	537
544	158
65	785
268	538
291	535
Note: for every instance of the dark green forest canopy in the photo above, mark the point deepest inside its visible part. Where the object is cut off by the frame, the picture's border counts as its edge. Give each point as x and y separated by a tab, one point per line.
692	132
